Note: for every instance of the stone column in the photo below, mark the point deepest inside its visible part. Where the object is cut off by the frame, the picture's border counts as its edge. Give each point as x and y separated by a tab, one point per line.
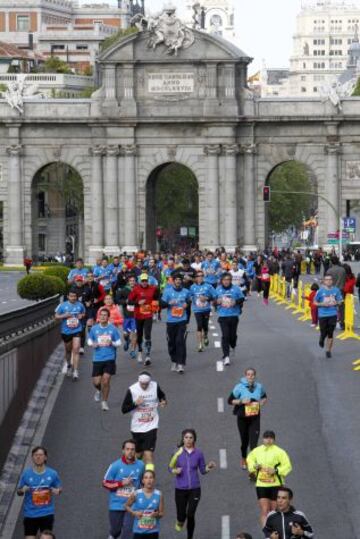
230	197
332	186
110	82
130	209
212	240
15	246
97	198
111	201
249	151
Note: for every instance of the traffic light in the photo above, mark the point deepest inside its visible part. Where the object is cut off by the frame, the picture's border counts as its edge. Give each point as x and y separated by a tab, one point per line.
266	193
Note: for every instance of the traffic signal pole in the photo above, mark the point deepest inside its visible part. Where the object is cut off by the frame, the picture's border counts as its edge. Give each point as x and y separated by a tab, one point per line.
338	214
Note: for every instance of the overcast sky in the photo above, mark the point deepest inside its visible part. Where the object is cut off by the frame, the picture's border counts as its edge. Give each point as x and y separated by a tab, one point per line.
264	28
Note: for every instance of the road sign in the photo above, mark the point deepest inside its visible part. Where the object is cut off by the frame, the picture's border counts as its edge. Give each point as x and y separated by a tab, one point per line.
333	241
349	224
183	231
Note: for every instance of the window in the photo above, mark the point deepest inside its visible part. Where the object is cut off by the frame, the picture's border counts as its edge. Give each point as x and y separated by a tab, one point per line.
42	242
82	47
319	52
317	78
303	89
58	47
41	204
319	65
98	22
315	89
319	41
22	23
336	53
304	65
303	77
215	24
335	41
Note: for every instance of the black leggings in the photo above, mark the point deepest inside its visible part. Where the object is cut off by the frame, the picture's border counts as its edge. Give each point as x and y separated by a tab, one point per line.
186	505
228	326
202	321
266	289
143	328
176	335
249	429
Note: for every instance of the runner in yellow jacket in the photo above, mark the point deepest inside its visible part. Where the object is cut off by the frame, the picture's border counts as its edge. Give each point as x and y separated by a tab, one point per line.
268	465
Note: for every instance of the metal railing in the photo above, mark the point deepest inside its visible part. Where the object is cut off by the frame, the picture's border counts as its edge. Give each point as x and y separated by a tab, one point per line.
17	322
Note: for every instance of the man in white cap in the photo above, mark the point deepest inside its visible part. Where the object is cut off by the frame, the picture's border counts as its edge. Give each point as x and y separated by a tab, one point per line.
142	399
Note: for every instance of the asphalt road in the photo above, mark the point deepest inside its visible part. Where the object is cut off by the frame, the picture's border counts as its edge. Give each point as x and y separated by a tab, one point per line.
9	299
313	407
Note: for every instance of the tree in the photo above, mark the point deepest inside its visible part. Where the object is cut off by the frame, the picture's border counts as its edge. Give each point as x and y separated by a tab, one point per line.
109	41
286	210
53	64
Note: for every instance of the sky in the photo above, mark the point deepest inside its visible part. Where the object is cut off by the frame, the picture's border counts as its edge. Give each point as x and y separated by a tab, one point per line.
264	28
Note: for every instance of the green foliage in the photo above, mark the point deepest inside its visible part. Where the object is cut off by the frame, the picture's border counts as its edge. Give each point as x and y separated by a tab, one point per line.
356	92
176	199
88	71
87	92
287	210
57	271
67	182
53	64
38	286
3	87
109	41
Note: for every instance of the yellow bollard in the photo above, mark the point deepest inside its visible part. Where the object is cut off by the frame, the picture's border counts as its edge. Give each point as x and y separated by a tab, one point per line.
349	333
291	301
307	309
300	300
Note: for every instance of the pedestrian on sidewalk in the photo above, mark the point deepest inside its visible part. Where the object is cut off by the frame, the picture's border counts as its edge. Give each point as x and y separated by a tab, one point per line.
247	398
327	299
39	484
122	479
143	399
285	522
104	338
185	465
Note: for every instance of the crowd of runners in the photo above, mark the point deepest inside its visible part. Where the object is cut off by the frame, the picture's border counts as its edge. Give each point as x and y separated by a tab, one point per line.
114	305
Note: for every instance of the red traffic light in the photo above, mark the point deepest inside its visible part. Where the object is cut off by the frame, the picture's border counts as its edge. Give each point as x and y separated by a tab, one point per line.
266	193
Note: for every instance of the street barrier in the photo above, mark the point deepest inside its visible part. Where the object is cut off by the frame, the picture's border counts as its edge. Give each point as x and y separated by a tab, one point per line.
307	308
349	320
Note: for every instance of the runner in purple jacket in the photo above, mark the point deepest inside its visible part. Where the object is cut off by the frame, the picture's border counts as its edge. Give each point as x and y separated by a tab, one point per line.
186	464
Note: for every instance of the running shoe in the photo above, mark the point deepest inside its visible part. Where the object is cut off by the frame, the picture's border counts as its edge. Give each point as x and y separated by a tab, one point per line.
206	340
243	464
64	368
180	369
97	396
75	375
178	526
68	370
200	348
82	351
226	361
105	406
328	354
147	361
132	354
174	367
321	342
139	357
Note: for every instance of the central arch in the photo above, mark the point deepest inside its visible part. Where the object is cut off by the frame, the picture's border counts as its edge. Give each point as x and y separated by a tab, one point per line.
172	208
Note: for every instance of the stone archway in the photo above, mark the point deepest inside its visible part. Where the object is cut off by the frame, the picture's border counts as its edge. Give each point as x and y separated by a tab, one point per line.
291	175
57	212
172	204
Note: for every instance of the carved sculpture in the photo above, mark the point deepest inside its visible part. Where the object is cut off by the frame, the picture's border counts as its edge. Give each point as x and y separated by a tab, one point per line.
17	90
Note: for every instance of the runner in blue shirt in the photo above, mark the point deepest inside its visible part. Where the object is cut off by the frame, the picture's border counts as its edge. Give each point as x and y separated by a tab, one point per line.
201	295
146	505
327	300
104	338
212	269
103	274
176	298
71	314
39	484
79	270
122	479
229	301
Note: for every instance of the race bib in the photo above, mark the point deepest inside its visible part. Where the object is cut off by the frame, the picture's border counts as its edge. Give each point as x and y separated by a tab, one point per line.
104	340
329	300
252	409
104	282
147	522
41	497
125	492
72	322
201	303
145	309
146	415
265	276
265	477
131	308
227	302
177	312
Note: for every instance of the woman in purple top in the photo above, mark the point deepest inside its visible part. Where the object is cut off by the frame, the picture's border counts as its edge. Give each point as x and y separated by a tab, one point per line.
186	464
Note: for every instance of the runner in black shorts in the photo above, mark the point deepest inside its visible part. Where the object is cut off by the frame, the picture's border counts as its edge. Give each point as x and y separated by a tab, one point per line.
145	441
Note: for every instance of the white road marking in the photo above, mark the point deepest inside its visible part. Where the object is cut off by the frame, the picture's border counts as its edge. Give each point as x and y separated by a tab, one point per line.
223	459
220	405
4	302
219	366
215	334
225	527
212	327
217	344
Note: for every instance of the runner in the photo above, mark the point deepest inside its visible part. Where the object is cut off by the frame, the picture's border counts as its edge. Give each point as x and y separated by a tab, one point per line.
146	505
247	397
268	464
104	338
239	277
122	479
71	312
47	534
129	324
93	298
201	295
187	274
79	270
327	299
115	316
186	464
285	522
103	274
142	399
229	301
143	297
211	268
79	288
176	298
39	484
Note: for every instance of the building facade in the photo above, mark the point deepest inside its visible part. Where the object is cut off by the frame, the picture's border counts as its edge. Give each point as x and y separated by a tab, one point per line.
324	32
219	17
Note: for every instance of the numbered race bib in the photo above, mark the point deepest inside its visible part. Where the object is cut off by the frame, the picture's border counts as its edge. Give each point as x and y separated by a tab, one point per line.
265	477
104	282
125	492
227	302
146	415
265	276
104	340
72	322
329	300
131	308
41	497
201	303
252	409
145	309
177	312
146	522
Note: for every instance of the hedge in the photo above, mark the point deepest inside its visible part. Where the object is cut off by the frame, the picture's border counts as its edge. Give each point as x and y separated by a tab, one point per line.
57	271
39	286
